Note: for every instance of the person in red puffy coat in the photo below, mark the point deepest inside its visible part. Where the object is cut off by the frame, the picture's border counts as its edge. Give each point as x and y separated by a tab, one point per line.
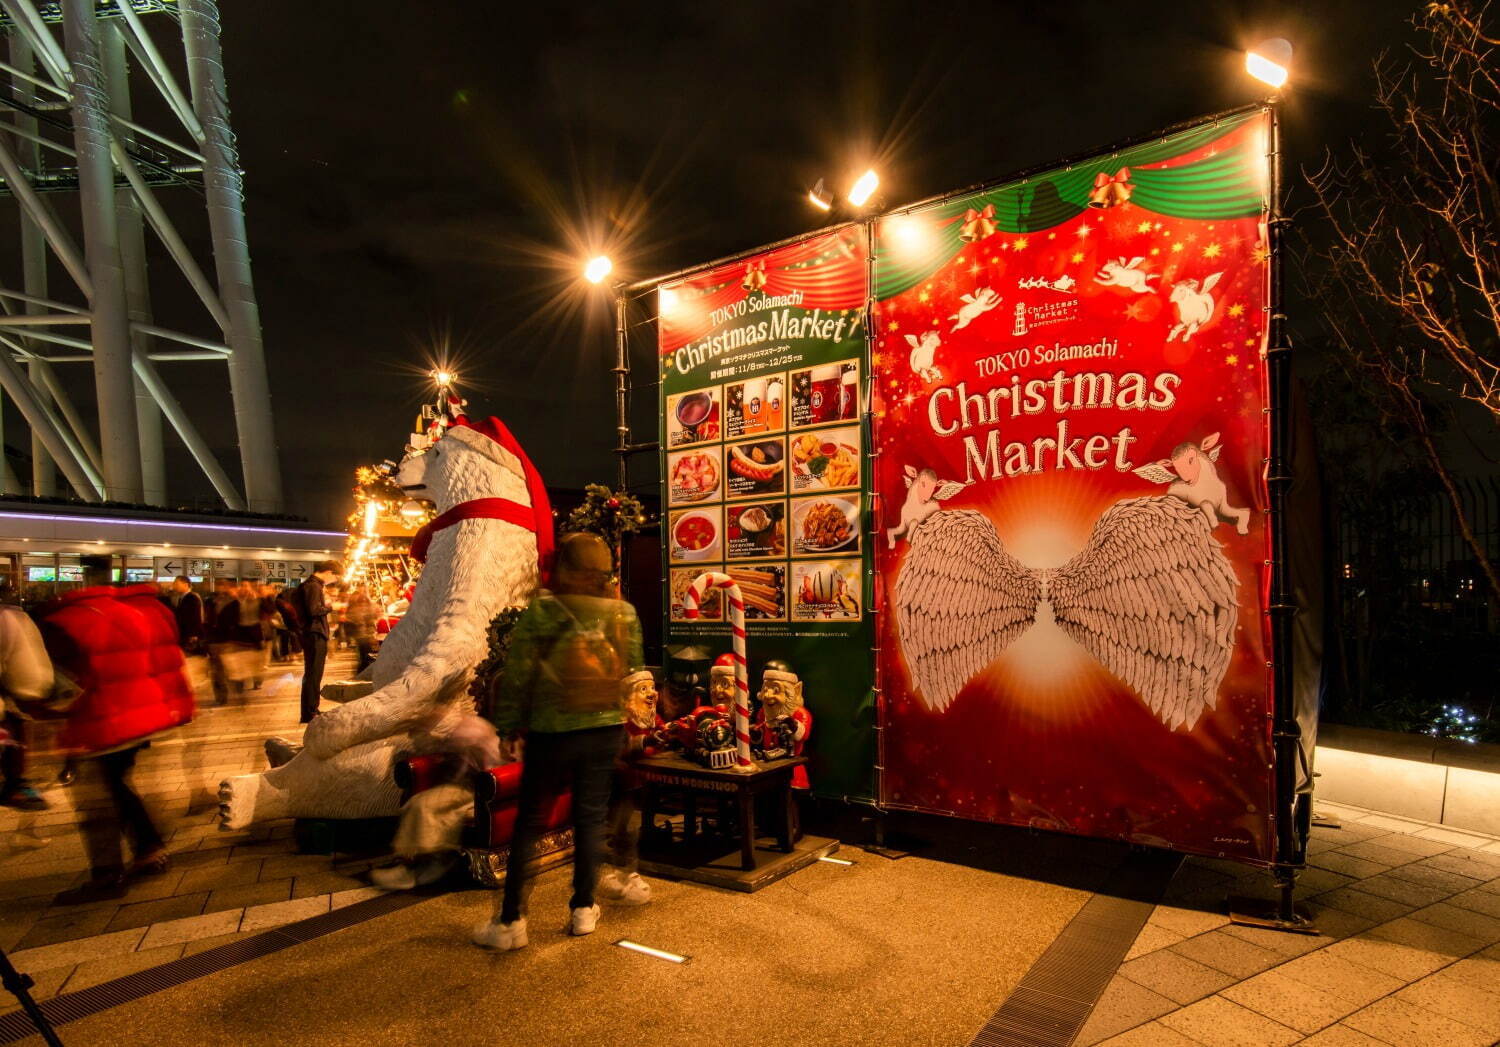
120	645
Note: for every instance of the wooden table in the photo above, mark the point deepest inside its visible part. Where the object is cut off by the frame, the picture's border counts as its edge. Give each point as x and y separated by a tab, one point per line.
671	771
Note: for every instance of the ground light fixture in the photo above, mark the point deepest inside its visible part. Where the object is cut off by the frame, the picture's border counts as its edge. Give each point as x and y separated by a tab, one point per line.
834	861
660	954
597	269
820	197
1270	61
863	188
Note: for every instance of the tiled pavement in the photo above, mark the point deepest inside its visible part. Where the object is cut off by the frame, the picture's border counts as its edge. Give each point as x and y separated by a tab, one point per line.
220	887
1410	951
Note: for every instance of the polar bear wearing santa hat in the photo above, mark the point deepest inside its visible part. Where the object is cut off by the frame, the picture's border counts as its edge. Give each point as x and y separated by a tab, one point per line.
484	553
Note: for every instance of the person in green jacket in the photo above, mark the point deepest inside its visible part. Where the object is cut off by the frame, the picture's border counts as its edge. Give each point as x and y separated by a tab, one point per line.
559	698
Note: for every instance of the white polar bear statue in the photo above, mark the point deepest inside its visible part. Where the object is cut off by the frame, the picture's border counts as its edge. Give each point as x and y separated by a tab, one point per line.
482	551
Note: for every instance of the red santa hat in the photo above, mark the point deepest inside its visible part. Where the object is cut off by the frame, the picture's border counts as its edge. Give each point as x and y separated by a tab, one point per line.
500	444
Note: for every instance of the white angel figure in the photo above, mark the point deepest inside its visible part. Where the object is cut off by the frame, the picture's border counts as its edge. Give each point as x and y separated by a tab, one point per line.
975	305
924	492
1190	470
1195	306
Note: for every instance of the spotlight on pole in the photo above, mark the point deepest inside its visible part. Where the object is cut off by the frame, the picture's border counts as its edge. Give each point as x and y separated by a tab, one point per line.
863	188
819	197
443	378
597	269
1270	61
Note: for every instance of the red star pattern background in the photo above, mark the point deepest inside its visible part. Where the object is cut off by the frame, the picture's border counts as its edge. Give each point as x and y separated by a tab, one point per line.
1046	736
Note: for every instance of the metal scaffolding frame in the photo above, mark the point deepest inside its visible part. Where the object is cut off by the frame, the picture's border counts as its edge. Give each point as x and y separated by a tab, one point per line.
67	129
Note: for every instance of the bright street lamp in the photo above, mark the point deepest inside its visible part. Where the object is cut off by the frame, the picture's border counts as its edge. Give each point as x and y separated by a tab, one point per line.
597	269
1270	61
863	188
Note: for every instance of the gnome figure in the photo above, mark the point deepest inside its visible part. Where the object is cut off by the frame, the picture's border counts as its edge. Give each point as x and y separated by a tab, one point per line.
641	721
721	685
782	724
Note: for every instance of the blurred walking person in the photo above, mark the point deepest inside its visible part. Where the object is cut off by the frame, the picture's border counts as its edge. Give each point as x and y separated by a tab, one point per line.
221	629
360	614
249	634
25	680
312	619
120	646
559	705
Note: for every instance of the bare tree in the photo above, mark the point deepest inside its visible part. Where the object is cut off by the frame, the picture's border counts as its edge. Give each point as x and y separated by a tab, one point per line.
1405	261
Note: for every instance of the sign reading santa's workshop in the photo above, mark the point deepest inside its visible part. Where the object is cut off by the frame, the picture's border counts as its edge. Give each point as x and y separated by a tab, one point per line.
763	434
1069	424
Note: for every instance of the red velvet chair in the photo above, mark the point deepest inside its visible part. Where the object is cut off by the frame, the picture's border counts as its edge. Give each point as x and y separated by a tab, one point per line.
486	843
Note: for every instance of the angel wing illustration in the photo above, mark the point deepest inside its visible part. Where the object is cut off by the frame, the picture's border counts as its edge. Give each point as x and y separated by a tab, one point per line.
960	601
1151	596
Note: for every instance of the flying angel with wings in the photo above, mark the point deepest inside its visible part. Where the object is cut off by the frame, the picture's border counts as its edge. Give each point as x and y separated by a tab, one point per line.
1151	596
924	492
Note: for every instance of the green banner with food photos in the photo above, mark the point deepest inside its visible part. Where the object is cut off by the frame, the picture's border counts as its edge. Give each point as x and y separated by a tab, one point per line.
764	439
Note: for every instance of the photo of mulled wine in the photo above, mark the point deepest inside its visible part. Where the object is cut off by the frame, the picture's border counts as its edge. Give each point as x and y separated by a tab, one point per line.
693	418
693	410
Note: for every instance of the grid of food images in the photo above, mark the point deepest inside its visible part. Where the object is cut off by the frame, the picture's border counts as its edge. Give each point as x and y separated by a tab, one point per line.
763	483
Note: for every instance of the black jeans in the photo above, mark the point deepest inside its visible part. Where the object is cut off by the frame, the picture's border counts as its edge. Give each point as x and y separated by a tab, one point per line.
584	760
102	837
314	654
13	757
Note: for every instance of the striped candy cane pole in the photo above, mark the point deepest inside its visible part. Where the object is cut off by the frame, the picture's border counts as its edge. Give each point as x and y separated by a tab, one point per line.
717	580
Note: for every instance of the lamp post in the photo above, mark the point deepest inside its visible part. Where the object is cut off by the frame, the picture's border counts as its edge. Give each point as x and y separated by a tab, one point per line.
1270	63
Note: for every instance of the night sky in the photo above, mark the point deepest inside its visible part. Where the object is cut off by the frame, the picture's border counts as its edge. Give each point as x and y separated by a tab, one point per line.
423	179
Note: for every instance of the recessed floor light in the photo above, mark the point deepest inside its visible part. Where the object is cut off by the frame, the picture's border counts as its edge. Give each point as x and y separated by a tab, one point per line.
834	861
660	954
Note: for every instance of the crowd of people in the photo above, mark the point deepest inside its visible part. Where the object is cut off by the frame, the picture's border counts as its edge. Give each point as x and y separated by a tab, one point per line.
116	663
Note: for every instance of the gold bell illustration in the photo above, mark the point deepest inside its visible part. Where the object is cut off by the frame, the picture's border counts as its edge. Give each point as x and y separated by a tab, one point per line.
1111	191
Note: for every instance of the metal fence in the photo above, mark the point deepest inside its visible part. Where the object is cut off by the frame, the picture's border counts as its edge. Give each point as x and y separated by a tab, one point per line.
1416	627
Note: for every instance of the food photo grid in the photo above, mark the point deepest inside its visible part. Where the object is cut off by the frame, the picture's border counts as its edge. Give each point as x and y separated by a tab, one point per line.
763	483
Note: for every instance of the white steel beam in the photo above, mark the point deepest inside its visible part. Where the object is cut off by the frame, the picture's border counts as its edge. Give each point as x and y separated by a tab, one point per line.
113	385
226	218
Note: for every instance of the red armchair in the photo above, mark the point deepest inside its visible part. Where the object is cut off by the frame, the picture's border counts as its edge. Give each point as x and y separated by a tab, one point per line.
486	843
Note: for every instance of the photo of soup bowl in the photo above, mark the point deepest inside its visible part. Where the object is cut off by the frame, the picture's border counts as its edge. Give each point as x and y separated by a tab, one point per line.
695	536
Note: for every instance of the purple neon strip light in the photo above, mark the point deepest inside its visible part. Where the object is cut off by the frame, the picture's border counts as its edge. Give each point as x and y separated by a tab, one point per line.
164	523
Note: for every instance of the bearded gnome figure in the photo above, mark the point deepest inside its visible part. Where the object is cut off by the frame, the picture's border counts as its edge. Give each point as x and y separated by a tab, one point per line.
642	724
782	723
721	685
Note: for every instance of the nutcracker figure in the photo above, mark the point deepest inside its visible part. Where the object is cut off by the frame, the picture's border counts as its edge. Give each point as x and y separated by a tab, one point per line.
782	724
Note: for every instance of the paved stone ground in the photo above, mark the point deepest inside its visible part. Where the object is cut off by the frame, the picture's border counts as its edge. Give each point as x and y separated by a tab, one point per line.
1410	915
1410	953
220	887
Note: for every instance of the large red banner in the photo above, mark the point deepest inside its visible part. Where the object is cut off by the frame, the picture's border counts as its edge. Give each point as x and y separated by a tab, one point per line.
1069	417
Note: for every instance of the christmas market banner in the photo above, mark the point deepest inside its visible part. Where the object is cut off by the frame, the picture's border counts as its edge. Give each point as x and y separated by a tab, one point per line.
764	367
1069	406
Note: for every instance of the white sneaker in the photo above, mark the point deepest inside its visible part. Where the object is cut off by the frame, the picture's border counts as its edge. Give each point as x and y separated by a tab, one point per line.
400	877
502	937
626	888
583	921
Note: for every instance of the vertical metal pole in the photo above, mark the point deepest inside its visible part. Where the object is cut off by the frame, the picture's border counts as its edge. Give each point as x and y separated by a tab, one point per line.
622	388
113	381
1285	732
33	255
137	290
226	217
